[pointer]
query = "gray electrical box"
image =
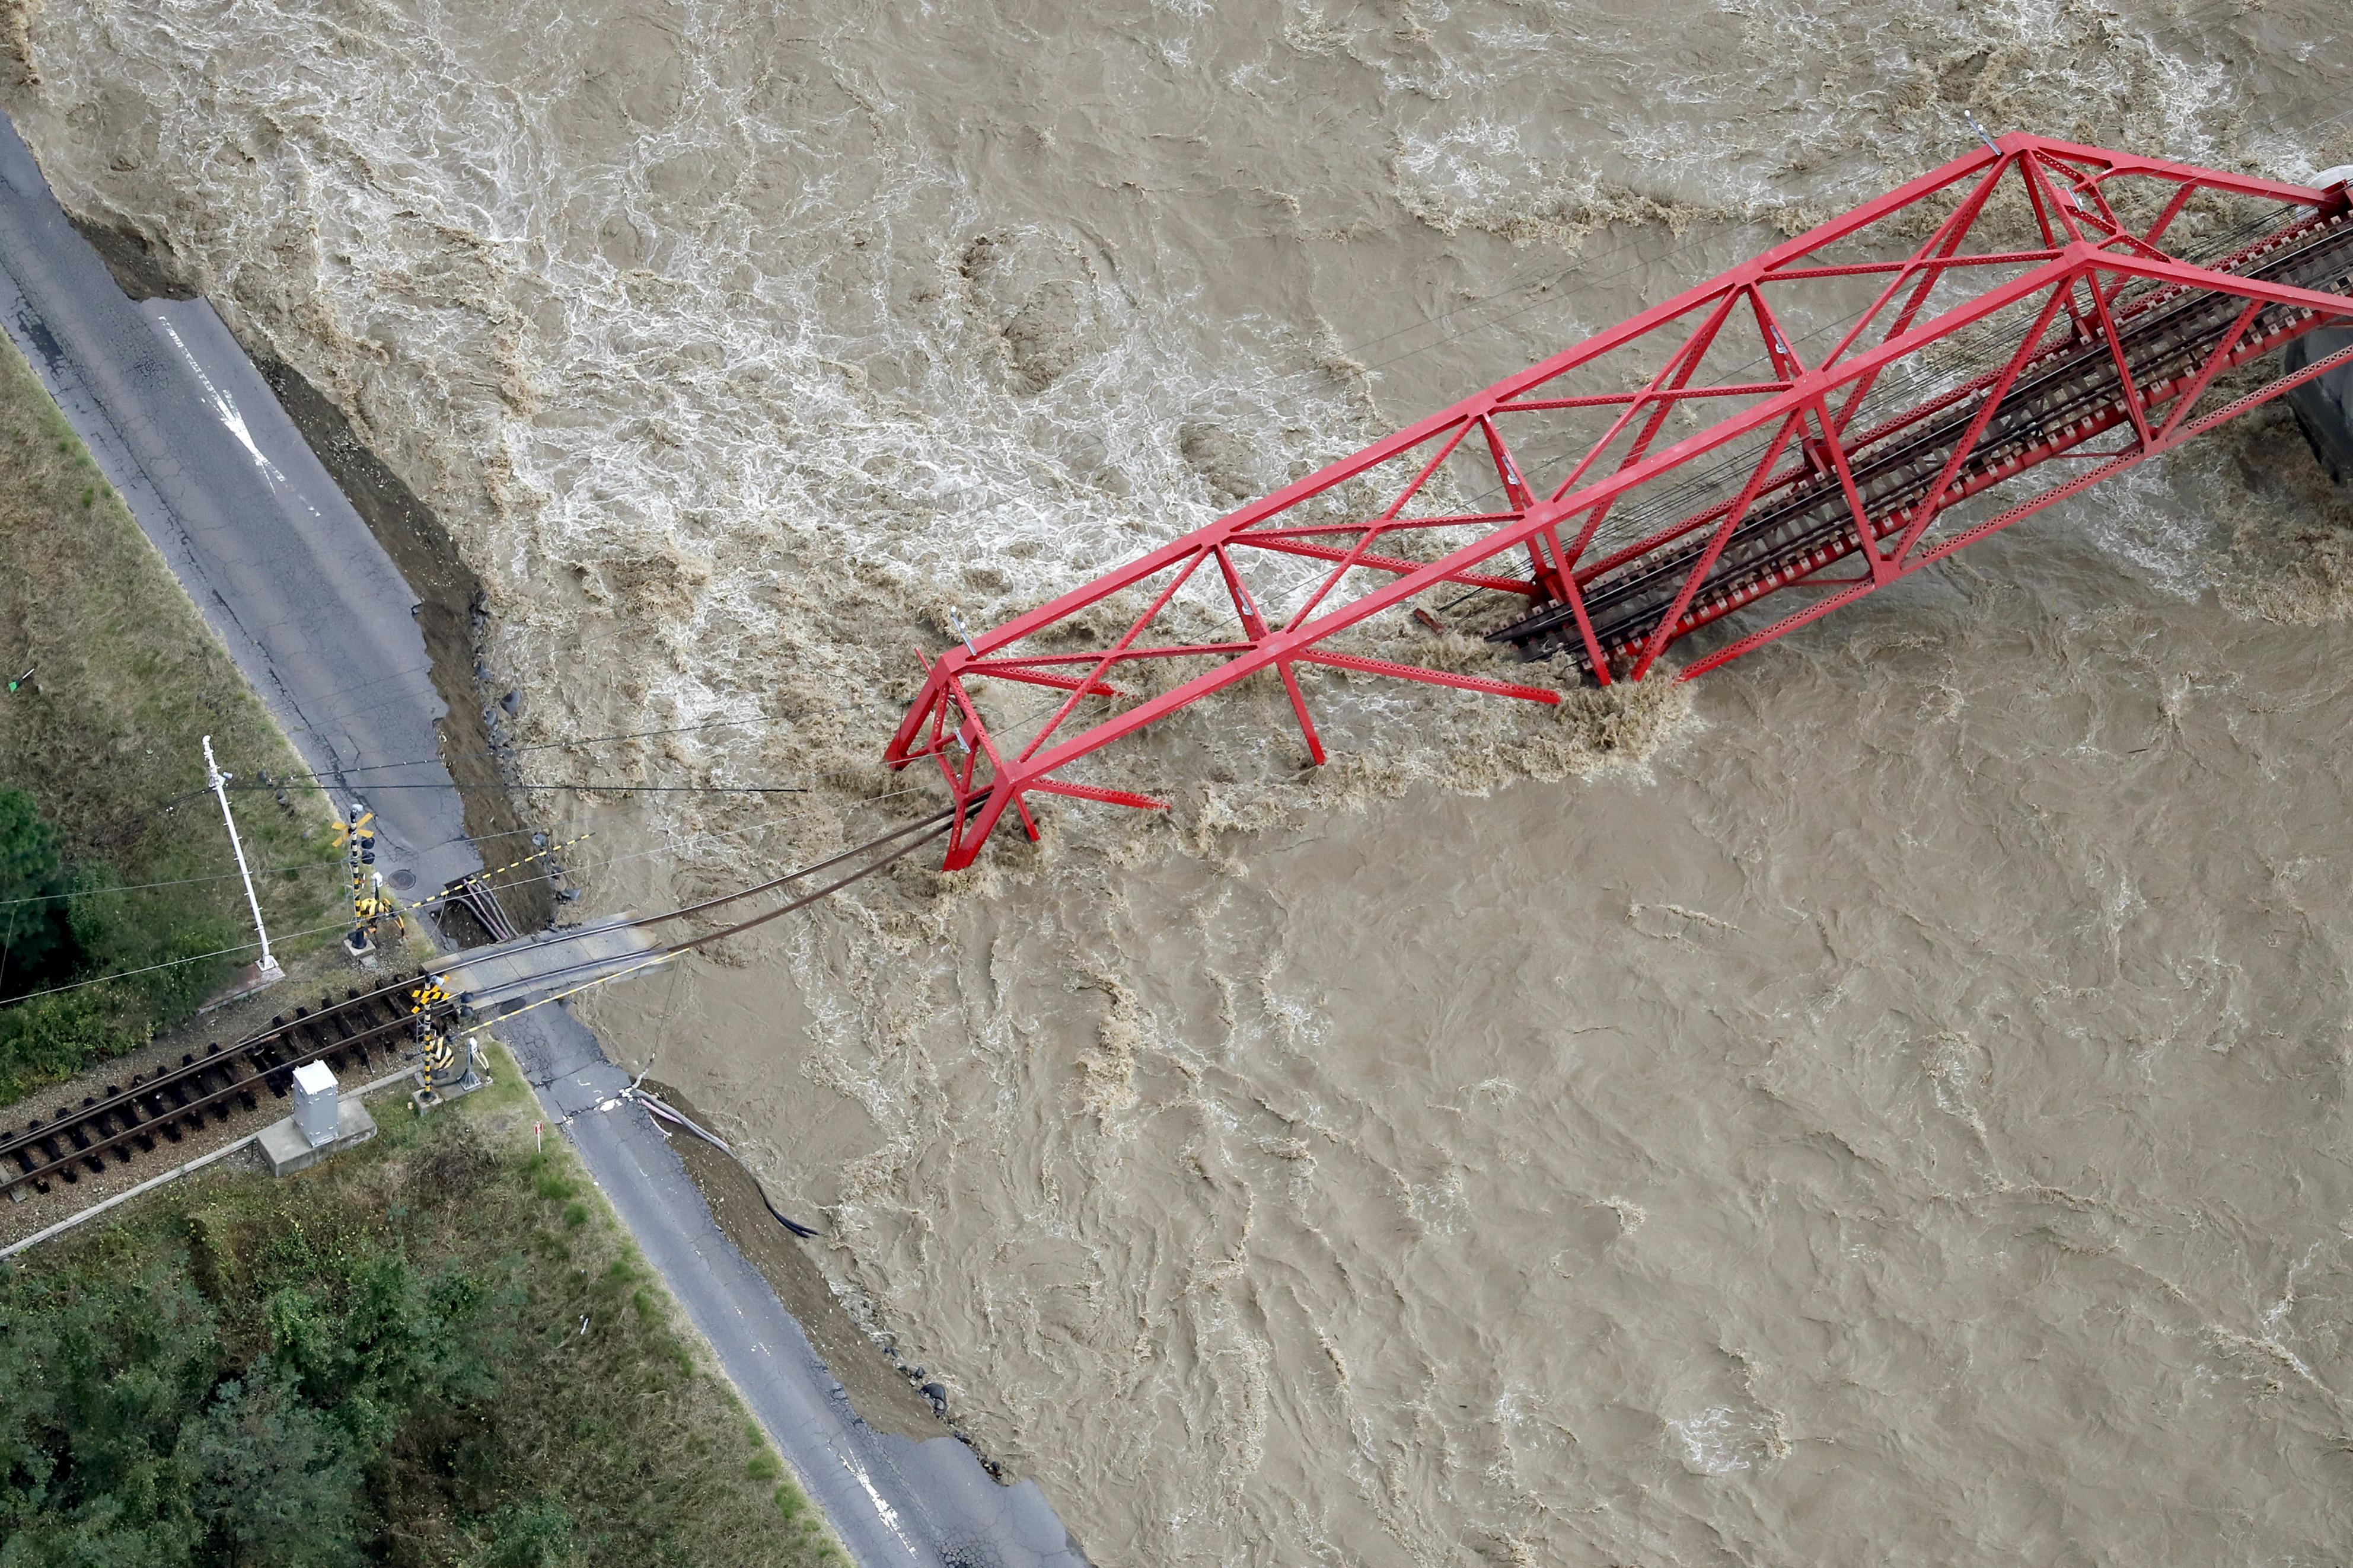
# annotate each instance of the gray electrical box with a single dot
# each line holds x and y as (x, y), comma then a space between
(317, 1103)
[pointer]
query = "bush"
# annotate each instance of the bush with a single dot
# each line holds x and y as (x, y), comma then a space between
(36, 935)
(374, 1363)
(167, 942)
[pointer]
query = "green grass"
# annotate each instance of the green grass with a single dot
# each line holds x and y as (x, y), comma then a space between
(380, 1361)
(127, 681)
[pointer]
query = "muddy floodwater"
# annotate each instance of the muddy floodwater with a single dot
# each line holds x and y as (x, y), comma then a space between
(1883, 1102)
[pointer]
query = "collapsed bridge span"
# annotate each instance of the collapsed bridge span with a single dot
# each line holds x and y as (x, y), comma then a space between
(1827, 418)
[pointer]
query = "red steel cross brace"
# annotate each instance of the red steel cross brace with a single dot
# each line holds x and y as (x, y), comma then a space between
(2019, 305)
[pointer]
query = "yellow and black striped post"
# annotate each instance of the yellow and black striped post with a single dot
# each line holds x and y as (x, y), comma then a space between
(356, 834)
(443, 1063)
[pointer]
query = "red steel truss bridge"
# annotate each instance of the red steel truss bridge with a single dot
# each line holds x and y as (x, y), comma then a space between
(1817, 423)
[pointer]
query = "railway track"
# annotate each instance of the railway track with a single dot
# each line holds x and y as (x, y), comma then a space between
(2069, 394)
(124, 1123)
(365, 1030)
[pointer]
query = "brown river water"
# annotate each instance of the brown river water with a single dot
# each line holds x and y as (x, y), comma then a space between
(1885, 1102)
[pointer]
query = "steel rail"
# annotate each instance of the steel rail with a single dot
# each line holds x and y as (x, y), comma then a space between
(936, 823)
(2076, 396)
(1852, 420)
(176, 1100)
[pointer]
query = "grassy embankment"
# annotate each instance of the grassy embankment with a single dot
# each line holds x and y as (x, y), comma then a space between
(438, 1348)
(104, 741)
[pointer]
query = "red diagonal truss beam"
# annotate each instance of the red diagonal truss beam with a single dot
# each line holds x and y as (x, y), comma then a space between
(1864, 391)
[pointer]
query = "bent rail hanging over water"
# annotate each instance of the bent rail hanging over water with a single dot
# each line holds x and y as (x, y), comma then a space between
(1829, 417)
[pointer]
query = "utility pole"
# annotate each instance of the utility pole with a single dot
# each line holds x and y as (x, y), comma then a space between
(267, 973)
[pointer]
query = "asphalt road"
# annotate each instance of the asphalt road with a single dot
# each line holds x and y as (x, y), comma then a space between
(189, 435)
(319, 619)
(895, 1500)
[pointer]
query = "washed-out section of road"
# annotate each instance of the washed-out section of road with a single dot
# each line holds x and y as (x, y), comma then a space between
(319, 619)
(893, 1500)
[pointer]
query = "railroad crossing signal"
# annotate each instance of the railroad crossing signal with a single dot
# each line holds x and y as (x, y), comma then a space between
(424, 999)
(449, 1069)
(443, 1066)
(356, 833)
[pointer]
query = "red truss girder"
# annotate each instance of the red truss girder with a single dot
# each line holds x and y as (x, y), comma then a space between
(2093, 271)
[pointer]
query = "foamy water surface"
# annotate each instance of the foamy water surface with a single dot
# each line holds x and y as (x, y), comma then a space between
(1890, 1107)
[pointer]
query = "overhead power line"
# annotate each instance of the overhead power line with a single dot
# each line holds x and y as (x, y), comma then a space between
(174, 882)
(1540, 279)
(618, 859)
(926, 830)
(533, 746)
(152, 968)
(591, 786)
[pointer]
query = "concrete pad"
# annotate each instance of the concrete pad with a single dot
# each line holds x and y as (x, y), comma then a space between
(283, 1146)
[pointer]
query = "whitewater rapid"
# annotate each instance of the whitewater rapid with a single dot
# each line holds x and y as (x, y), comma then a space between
(1883, 1102)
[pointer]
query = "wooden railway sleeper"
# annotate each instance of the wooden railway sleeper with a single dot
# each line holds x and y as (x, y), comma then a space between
(169, 1103)
(2073, 386)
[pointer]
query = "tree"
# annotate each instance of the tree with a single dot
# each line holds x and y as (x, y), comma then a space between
(36, 937)
(275, 1478)
(99, 1375)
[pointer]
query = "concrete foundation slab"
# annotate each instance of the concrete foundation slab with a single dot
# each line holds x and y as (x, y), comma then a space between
(283, 1146)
